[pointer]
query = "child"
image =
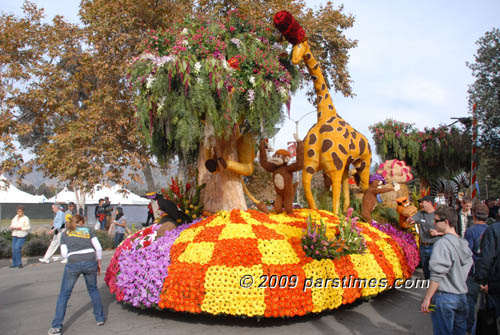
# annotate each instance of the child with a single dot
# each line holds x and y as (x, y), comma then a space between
(120, 226)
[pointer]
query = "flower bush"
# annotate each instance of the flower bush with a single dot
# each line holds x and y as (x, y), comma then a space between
(222, 72)
(346, 241)
(207, 260)
(186, 197)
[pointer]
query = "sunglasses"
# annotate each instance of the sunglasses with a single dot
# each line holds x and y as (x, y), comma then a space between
(439, 220)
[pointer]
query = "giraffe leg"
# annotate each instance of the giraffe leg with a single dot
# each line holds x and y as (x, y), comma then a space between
(336, 177)
(307, 175)
(345, 190)
(363, 171)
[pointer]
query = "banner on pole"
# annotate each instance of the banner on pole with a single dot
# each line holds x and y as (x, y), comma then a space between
(292, 148)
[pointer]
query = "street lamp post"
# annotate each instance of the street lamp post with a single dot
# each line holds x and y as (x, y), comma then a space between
(299, 173)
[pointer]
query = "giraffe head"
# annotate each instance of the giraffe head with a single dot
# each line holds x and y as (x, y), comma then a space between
(298, 52)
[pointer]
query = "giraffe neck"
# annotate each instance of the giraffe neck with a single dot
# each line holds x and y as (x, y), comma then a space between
(326, 109)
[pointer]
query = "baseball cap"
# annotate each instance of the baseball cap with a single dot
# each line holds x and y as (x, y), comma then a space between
(427, 198)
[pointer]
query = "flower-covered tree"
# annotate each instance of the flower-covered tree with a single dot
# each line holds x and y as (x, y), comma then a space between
(207, 81)
(433, 152)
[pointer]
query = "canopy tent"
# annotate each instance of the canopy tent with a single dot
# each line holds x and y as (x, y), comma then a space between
(11, 194)
(114, 193)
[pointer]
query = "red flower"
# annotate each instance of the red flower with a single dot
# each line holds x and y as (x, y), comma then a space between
(232, 29)
(234, 62)
(289, 27)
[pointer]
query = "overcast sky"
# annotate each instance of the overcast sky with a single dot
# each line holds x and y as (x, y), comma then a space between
(409, 64)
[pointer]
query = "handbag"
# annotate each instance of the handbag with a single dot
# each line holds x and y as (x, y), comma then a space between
(486, 318)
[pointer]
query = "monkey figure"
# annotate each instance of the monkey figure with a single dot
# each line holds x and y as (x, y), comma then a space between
(282, 174)
(405, 210)
(370, 196)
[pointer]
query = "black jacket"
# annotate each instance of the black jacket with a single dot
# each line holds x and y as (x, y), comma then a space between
(488, 262)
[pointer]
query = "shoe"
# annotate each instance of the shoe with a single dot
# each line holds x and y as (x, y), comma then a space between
(64, 261)
(43, 260)
(100, 323)
(56, 258)
(13, 266)
(53, 331)
(21, 266)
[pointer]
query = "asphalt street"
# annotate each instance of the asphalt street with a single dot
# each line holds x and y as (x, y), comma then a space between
(28, 298)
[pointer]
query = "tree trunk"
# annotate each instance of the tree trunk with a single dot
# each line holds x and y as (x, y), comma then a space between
(148, 175)
(223, 190)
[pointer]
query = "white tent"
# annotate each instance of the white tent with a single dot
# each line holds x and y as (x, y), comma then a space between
(116, 196)
(11, 194)
(64, 196)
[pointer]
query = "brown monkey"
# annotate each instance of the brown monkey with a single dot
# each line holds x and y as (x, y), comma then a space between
(282, 174)
(370, 196)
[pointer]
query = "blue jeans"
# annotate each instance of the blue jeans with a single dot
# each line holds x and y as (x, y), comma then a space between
(118, 238)
(17, 246)
(103, 224)
(425, 257)
(450, 315)
(472, 295)
(71, 273)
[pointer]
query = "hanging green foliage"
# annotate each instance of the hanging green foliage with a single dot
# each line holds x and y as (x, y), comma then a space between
(433, 152)
(219, 73)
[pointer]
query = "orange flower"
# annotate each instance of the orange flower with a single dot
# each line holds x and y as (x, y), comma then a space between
(234, 62)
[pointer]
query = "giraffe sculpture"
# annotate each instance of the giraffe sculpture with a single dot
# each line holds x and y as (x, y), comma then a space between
(331, 145)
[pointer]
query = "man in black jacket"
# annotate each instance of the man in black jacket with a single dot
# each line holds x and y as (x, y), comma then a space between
(488, 267)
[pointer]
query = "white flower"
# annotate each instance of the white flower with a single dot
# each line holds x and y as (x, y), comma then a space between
(236, 42)
(283, 92)
(161, 103)
(150, 81)
(224, 64)
(164, 59)
(251, 96)
(252, 80)
(185, 42)
(184, 31)
(147, 55)
(197, 67)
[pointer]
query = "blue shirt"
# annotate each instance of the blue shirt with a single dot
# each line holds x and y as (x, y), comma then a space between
(59, 220)
(473, 236)
(120, 229)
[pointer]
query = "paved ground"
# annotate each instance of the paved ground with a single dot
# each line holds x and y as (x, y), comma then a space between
(28, 298)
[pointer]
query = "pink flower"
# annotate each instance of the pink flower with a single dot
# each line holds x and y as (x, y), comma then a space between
(232, 29)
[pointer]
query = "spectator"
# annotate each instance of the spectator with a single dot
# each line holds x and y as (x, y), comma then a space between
(427, 232)
(70, 212)
(450, 263)
(473, 236)
(108, 209)
(84, 252)
(487, 272)
(493, 209)
(100, 214)
(121, 225)
(464, 216)
(19, 226)
(57, 229)
(150, 214)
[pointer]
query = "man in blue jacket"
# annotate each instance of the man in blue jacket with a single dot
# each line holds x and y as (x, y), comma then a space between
(57, 228)
(487, 272)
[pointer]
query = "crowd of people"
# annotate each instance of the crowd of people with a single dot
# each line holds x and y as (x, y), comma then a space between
(460, 255)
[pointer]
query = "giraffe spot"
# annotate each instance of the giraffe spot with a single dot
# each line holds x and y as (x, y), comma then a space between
(362, 145)
(353, 134)
(312, 139)
(369, 148)
(316, 66)
(342, 149)
(356, 162)
(337, 161)
(310, 170)
(319, 115)
(325, 128)
(351, 145)
(331, 119)
(339, 129)
(330, 107)
(342, 123)
(326, 96)
(314, 78)
(323, 87)
(310, 152)
(319, 99)
(346, 134)
(327, 144)
(361, 167)
(308, 56)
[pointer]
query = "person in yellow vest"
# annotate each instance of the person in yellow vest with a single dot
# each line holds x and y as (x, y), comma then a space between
(19, 226)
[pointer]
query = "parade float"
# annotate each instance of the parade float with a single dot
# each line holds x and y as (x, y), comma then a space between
(239, 261)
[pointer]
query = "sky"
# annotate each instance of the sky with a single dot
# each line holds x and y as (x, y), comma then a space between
(409, 65)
